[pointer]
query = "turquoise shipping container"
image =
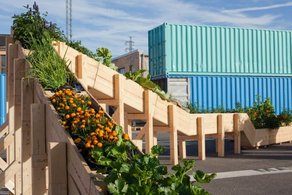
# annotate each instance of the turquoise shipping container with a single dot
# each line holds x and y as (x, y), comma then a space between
(2, 98)
(208, 50)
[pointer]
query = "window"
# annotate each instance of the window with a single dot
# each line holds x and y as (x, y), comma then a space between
(131, 68)
(122, 70)
(3, 63)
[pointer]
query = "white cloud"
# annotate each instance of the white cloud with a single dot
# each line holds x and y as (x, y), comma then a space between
(110, 23)
(288, 4)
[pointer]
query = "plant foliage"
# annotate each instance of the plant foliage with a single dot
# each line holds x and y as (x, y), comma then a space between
(146, 82)
(105, 57)
(33, 24)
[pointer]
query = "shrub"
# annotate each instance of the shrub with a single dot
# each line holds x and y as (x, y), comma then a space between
(33, 24)
(285, 117)
(262, 114)
(47, 65)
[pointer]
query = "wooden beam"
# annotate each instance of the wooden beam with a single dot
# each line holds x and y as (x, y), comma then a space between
(182, 149)
(161, 128)
(78, 66)
(201, 139)
(19, 73)
(148, 128)
(38, 150)
(141, 134)
(27, 98)
(6, 141)
(3, 164)
(155, 134)
(57, 163)
(173, 135)
(220, 136)
(136, 116)
(119, 114)
(9, 173)
(236, 134)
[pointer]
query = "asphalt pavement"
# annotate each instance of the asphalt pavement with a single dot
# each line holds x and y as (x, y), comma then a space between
(266, 171)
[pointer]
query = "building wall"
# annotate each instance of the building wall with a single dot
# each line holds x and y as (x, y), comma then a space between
(132, 61)
(3, 53)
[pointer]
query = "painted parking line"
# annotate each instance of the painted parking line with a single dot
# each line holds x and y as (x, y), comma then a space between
(255, 172)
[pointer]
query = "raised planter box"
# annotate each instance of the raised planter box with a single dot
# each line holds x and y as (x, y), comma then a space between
(264, 137)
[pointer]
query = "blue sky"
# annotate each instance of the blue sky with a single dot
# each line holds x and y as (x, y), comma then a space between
(104, 23)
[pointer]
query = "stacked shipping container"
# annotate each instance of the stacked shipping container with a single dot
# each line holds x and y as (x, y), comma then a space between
(223, 65)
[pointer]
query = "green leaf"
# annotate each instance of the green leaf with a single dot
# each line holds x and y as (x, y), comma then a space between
(202, 177)
(104, 161)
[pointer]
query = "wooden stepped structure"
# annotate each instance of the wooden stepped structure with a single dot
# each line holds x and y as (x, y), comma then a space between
(41, 157)
(133, 102)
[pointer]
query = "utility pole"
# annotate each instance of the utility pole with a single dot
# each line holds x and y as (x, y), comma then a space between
(130, 45)
(69, 19)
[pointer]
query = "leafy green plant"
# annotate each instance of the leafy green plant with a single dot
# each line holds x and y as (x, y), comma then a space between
(262, 114)
(285, 117)
(79, 47)
(146, 82)
(137, 173)
(105, 57)
(32, 22)
(47, 65)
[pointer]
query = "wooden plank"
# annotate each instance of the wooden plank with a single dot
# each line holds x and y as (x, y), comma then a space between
(119, 115)
(80, 172)
(79, 66)
(182, 149)
(236, 134)
(38, 150)
(138, 143)
(220, 136)
(57, 163)
(3, 164)
(6, 141)
(201, 139)
(173, 135)
(9, 173)
(149, 122)
(141, 134)
(136, 116)
(26, 101)
(161, 128)
(19, 73)
(155, 134)
(4, 129)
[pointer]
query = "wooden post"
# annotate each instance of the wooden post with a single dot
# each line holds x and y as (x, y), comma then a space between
(128, 127)
(155, 134)
(201, 139)
(148, 128)
(57, 163)
(236, 134)
(220, 136)
(78, 66)
(173, 135)
(119, 114)
(13, 52)
(182, 149)
(26, 101)
(39, 156)
(19, 73)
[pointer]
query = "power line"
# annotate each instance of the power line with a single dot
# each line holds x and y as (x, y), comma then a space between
(130, 45)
